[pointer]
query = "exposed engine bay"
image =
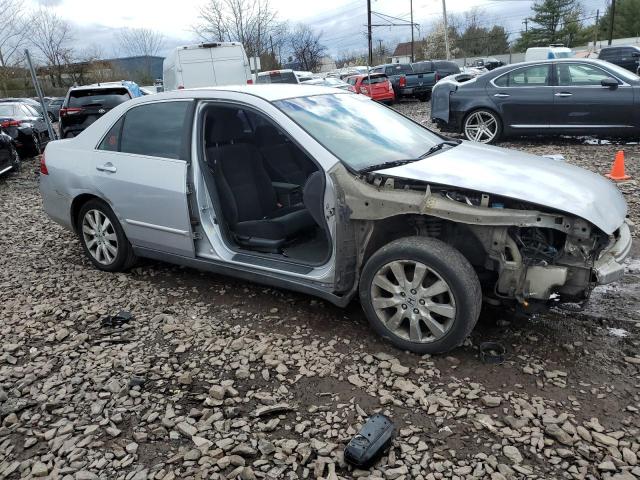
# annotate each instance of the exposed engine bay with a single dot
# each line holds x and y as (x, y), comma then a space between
(522, 252)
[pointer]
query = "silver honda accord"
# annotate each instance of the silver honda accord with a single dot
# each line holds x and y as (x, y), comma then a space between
(334, 195)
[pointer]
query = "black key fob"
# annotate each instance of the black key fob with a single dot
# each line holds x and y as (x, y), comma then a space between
(371, 442)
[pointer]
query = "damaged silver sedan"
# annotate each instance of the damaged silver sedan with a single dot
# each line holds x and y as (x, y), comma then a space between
(334, 195)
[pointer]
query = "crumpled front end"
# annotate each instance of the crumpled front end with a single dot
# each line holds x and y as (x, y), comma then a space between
(609, 267)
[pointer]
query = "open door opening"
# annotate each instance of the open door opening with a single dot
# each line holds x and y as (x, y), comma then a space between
(269, 194)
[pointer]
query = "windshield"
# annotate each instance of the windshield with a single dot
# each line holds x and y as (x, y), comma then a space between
(623, 72)
(104, 97)
(7, 110)
(357, 130)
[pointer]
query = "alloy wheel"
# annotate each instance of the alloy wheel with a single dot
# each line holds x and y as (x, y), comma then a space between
(481, 127)
(413, 301)
(15, 158)
(100, 237)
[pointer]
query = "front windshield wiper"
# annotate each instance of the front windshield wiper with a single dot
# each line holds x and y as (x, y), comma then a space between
(397, 163)
(439, 146)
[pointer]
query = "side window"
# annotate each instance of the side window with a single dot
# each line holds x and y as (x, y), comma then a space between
(389, 71)
(351, 80)
(525, 77)
(578, 75)
(111, 142)
(156, 130)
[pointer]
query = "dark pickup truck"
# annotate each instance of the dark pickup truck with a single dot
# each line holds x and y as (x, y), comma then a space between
(407, 83)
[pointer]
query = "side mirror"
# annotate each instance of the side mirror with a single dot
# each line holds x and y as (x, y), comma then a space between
(609, 82)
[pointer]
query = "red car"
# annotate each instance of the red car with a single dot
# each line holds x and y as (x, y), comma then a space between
(377, 86)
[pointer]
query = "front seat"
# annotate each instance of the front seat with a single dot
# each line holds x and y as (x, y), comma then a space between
(282, 159)
(249, 201)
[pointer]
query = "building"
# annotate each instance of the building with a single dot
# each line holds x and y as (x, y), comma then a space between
(402, 53)
(147, 67)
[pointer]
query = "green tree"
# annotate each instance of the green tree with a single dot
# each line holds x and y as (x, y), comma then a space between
(627, 20)
(554, 21)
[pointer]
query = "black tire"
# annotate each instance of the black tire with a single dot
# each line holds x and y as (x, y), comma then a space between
(36, 145)
(15, 159)
(425, 97)
(124, 258)
(484, 111)
(451, 267)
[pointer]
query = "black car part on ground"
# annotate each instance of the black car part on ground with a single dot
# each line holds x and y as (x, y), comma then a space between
(371, 441)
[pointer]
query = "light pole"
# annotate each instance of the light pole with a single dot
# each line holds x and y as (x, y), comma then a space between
(446, 28)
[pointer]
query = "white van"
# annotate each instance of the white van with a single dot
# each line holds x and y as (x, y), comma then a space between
(206, 65)
(535, 54)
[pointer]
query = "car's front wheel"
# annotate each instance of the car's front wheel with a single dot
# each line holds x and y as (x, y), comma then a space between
(36, 145)
(421, 294)
(15, 158)
(483, 126)
(103, 240)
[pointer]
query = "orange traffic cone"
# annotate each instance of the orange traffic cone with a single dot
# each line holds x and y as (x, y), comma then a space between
(617, 169)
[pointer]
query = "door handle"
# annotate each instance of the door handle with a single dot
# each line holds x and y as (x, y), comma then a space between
(563, 94)
(107, 167)
(502, 95)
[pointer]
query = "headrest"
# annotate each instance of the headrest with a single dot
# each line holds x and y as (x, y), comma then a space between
(224, 126)
(268, 135)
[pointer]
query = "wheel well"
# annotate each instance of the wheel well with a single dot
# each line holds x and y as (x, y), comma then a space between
(77, 204)
(457, 235)
(490, 109)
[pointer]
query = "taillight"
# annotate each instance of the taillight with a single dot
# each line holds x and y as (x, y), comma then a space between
(43, 166)
(364, 90)
(249, 82)
(403, 81)
(69, 111)
(11, 123)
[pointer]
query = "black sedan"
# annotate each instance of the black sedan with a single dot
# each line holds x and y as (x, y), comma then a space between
(35, 104)
(25, 126)
(9, 159)
(561, 96)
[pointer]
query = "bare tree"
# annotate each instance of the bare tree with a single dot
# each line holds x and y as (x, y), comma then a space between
(51, 36)
(250, 22)
(140, 42)
(306, 47)
(13, 37)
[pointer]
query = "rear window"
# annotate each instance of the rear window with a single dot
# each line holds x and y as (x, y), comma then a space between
(374, 80)
(448, 66)
(423, 67)
(104, 97)
(400, 69)
(7, 110)
(278, 77)
(56, 102)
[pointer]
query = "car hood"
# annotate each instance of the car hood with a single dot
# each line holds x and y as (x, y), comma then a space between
(522, 176)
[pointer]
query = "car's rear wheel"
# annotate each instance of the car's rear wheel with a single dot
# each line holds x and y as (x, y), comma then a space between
(103, 240)
(36, 145)
(482, 126)
(15, 159)
(421, 294)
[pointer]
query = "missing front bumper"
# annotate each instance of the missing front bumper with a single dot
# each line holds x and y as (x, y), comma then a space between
(609, 267)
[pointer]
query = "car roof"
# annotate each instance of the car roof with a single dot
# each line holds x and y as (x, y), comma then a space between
(609, 47)
(269, 92)
(98, 86)
(269, 72)
(510, 66)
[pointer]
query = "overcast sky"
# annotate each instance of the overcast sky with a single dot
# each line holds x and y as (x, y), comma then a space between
(342, 22)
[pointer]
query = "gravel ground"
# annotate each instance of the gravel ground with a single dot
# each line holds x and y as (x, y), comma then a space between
(217, 378)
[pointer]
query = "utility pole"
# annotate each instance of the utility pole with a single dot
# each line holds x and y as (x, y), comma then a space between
(595, 36)
(446, 28)
(526, 25)
(613, 15)
(369, 32)
(413, 58)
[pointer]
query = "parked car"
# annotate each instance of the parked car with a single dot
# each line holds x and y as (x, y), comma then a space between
(25, 126)
(84, 105)
(547, 53)
(563, 96)
(331, 82)
(407, 83)
(206, 65)
(442, 68)
(53, 107)
(376, 85)
(35, 104)
(331, 194)
(303, 76)
(9, 158)
(487, 63)
(277, 76)
(627, 56)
